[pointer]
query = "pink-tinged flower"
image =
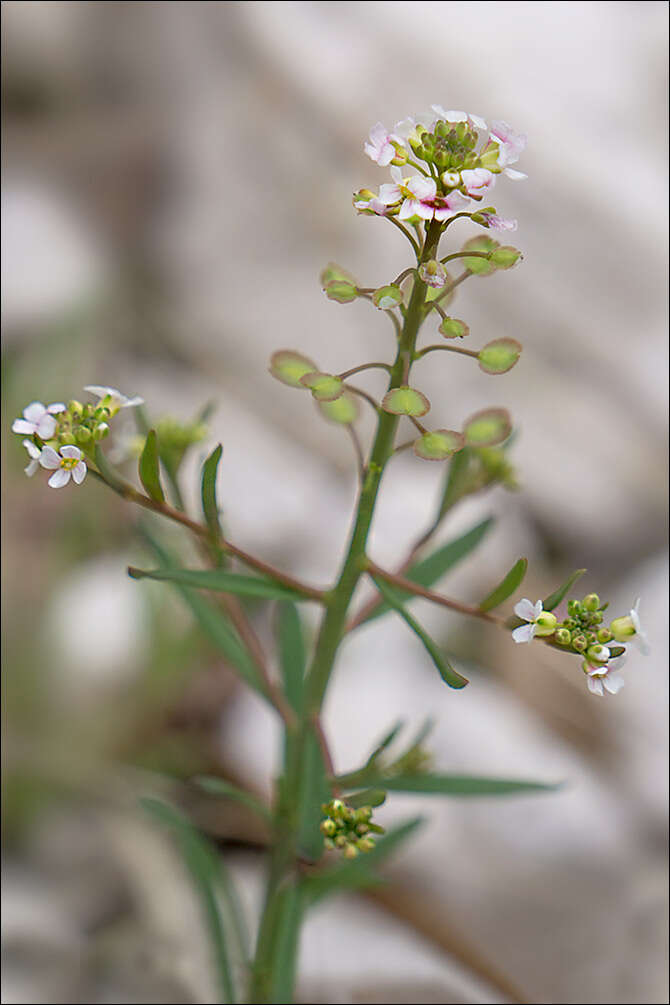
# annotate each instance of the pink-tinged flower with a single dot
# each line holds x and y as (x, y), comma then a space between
(373, 205)
(34, 454)
(495, 222)
(38, 419)
(473, 120)
(433, 274)
(380, 148)
(419, 198)
(602, 677)
(64, 463)
(510, 146)
(477, 181)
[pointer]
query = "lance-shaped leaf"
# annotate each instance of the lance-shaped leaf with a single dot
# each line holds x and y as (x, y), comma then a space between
(205, 869)
(554, 599)
(359, 872)
(506, 587)
(292, 657)
(289, 366)
(149, 468)
(430, 569)
(444, 667)
(215, 786)
(214, 623)
(367, 797)
(461, 785)
(405, 401)
(210, 506)
(219, 581)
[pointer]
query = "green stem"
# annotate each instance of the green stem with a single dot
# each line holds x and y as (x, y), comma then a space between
(330, 635)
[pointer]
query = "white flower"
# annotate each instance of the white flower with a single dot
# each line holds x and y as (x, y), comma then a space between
(629, 629)
(540, 622)
(63, 464)
(34, 453)
(38, 419)
(603, 678)
(527, 611)
(495, 222)
(640, 636)
(477, 181)
(116, 399)
(510, 146)
(473, 120)
(380, 148)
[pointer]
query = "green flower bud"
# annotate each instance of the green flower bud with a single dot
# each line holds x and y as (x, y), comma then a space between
(82, 435)
(598, 653)
(328, 827)
(591, 602)
(75, 407)
(545, 624)
(100, 431)
(563, 636)
(66, 439)
(400, 155)
(365, 844)
(579, 642)
(387, 297)
(574, 608)
(351, 851)
(505, 257)
(340, 841)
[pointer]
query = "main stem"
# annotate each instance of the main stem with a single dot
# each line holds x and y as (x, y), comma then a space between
(332, 629)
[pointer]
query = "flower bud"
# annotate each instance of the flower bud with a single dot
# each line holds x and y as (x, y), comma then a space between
(574, 608)
(328, 827)
(604, 635)
(579, 642)
(351, 851)
(82, 435)
(591, 602)
(387, 297)
(545, 624)
(623, 629)
(67, 439)
(400, 155)
(365, 844)
(75, 407)
(563, 636)
(100, 431)
(450, 179)
(598, 653)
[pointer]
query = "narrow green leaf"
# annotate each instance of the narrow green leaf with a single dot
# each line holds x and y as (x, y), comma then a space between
(358, 872)
(385, 742)
(430, 569)
(218, 581)
(461, 785)
(285, 950)
(292, 657)
(213, 622)
(208, 491)
(506, 587)
(554, 599)
(204, 867)
(221, 787)
(148, 468)
(444, 667)
(109, 473)
(367, 797)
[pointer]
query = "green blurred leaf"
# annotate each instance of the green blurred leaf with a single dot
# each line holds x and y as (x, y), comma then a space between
(430, 569)
(460, 785)
(205, 868)
(215, 786)
(292, 657)
(554, 599)
(444, 667)
(218, 581)
(367, 797)
(385, 743)
(210, 507)
(358, 872)
(285, 951)
(506, 588)
(149, 470)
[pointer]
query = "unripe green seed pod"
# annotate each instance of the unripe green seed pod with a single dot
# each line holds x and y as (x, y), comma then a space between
(591, 602)
(505, 257)
(387, 297)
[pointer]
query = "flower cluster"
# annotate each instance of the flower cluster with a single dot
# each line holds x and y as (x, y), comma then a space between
(451, 172)
(58, 436)
(584, 633)
(348, 829)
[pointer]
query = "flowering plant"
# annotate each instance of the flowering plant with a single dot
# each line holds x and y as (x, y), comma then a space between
(324, 826)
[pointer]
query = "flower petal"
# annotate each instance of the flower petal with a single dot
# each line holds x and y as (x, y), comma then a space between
(525, 609)
(613, 682)
(524, 633)
(422, 188)
(23, 426)
(514, 175)
(388, 194)
(32, 449)
(102, 392)
(59, 478)
(31, 467)
(79, 472)
(34, 411)
(70, 451)
(46, 427)
(49, 458)
(57, 407)
(595, 686)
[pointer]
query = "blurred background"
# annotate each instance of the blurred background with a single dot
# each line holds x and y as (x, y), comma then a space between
(175, 177)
